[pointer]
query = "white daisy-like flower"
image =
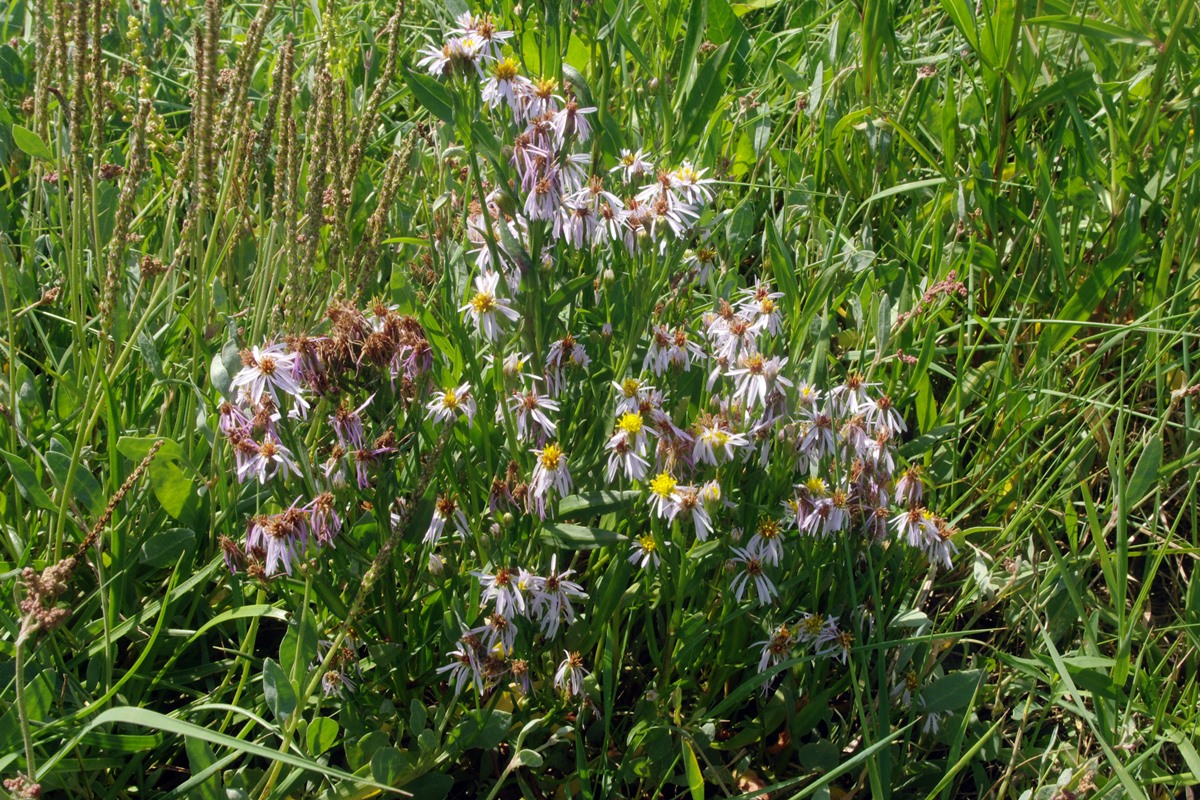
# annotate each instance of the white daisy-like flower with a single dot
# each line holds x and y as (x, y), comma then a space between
(570, 121)
(552, 597)
(689, 502)
(503, 588)
(767, 542)
(644, 551)
(631, 392)
(269, 370)
(570, 674)
(550, 476)
(506, 85)
(751, 572)
(715, 443)
(662, 494)
(486, 306)
(446, 509)
(633, 165)
(452, 403)
(691, 185)
(270, 458)
(529, 412)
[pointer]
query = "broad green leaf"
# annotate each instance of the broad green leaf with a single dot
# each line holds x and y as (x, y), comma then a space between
(27, 482)
(432, 96)
(951, 692)
(31, 143)
(278, 690)
(1145, 473)
(299, 646)
(135, 448)
(85, 487)
(171, 487)
(200, 757)
(388, 763)
(322, 734)
(578, 537)
(163, 548)
(595, 504)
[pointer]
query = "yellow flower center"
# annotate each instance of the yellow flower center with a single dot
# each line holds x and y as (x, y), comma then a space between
(483, 302)
(816, 486)
(630, 386)
(768, 529)
(647, 543)
(505, 70)
(450, 400)
(631, 423)
(551, 456)
(663, 485)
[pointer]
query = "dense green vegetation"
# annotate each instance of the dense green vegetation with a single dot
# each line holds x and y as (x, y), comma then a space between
(985, 214)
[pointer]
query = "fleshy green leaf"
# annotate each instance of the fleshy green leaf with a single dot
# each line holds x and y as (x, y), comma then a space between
(31, 143)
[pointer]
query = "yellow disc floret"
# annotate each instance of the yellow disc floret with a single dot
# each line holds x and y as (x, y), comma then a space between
(483, 302)
(551, 456)
(663, 485)
(630, 423)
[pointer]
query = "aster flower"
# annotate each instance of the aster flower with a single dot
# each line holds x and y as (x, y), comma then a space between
(445, 509)
(749, 567)
(701, 259)
(566, 353)
(485, 307)
(691, 185)
(543, 199)
(348, 425)
(446, 406)
(550, 476)
(465, 665)
(569, 676)
(850, 397)
(880, 413)
(280, 538)
(552, 597)
(570, 121)
(529, 411)
(688, 502)
(623, 457)
(714, 442)
(631, 393)
(271, 457)
(662, 493)
(911, 487)
(497, 633)
(232, 418)
(670, 349)
(269, 370)
(767, 542)
(817, 439)
(633, 165)
(334, 683)
(644, 551)
(484, 28)
(502, 588)
(757, 377)
(542, 99)
(506, 85)
(323, 521)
